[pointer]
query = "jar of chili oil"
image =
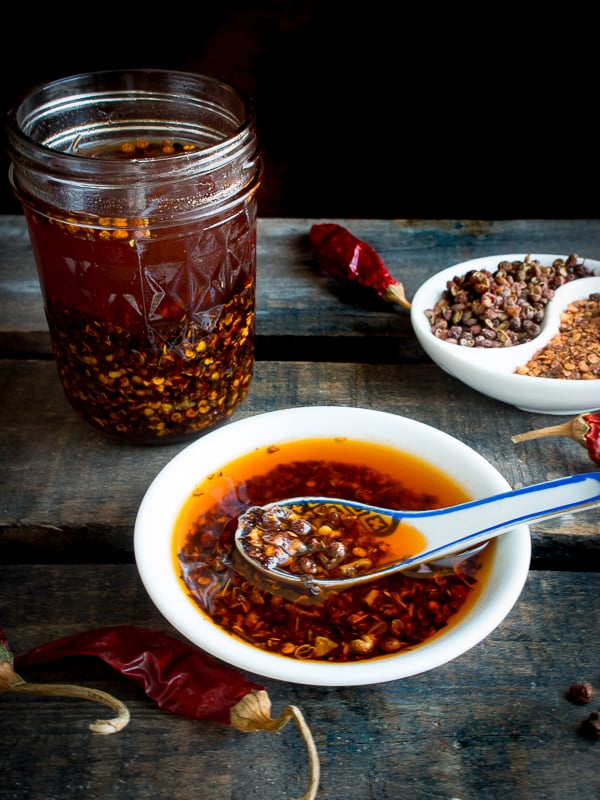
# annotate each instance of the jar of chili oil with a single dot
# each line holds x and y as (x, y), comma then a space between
(139, 190)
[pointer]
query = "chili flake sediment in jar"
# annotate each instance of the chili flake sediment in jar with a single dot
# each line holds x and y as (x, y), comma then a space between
(375, 619)
(152, 332)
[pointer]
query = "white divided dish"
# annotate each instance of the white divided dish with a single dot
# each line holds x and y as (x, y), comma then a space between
(491, 371)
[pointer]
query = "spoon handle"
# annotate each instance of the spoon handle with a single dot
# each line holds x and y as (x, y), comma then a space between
(478, 520)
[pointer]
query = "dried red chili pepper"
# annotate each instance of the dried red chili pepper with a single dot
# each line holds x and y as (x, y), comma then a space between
(584, 429)
(347, 258)
(180, 679)
(10, 681)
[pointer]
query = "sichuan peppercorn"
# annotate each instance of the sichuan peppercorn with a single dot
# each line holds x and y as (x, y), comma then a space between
(501, 308)
(591, 726)
(581, 693)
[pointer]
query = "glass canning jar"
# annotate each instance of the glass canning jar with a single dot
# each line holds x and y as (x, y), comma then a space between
(139, 190)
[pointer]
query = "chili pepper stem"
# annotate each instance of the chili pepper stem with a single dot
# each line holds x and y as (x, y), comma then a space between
(570, 429)
(396, 294)
(10, 681)
(253, 713)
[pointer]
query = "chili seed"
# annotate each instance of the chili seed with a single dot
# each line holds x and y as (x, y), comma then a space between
(574, 352)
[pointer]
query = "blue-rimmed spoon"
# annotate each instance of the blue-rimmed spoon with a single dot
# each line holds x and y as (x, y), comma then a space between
(446, 531)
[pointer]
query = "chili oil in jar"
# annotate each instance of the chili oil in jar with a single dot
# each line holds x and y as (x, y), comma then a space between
(375, 619)
(139, 190)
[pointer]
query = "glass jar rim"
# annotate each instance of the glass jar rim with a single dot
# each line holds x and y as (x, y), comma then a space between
(57, 131)
(32, 140)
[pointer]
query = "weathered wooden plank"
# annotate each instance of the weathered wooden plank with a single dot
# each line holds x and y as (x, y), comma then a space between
(295, 297)
(494, 724)
(69, 492)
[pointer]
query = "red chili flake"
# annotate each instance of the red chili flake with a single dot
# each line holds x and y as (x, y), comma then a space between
(347, 258)
(180, 678)
(362, 622)
(583, 429)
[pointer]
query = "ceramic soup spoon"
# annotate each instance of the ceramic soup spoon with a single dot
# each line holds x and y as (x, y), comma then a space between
(294, 543)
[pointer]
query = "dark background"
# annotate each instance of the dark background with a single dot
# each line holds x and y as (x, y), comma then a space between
(384, 110)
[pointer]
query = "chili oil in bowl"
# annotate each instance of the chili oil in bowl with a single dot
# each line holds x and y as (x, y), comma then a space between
(380, 631)
(540, 355)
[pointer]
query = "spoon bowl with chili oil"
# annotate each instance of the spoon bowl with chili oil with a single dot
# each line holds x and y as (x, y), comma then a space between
(184, 547)
(502, 372)
(319, 545)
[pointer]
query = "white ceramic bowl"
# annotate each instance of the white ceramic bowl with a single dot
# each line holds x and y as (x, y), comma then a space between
(172, 487)
(492, 371)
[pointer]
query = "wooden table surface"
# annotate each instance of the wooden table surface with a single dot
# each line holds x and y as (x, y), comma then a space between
(494, 724)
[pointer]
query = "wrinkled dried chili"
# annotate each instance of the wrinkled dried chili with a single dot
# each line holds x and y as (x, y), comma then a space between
(10, 681)
(583, 429)
(180, 679)
(347, 258)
